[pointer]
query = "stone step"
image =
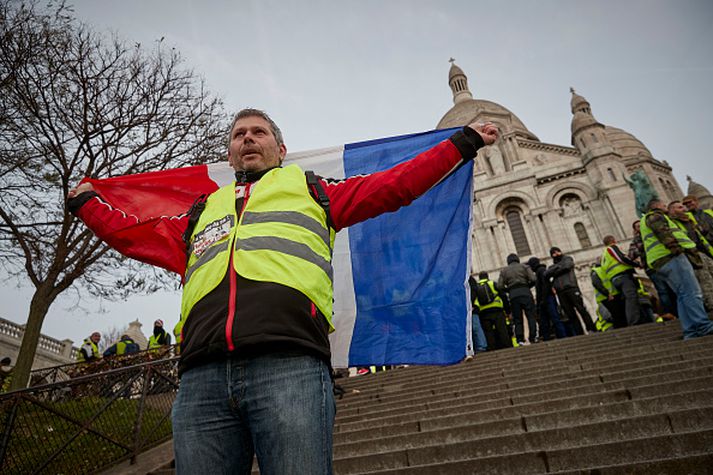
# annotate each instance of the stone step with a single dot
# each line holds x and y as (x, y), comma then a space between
(533, 416)
(559, 445)
(686, 453)
(568, 384)
(474, 428)
(391, 383)
(691, 464)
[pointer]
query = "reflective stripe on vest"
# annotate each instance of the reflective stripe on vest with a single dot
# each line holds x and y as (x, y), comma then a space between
(497, 303)
(95, 350)
(281, 237)
(654, 248)
(611, 266)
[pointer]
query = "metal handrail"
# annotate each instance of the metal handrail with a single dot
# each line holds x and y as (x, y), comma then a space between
(89, 422)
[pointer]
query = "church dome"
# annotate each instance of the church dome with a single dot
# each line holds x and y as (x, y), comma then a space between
(626, 144)
(465, 112)
(696, 189)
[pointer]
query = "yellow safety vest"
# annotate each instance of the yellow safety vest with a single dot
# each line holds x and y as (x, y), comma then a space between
(654, 248)
(95, 350)
(600, 297)
(706, 245)
(282, 236)
(496, 303)
(611, 266)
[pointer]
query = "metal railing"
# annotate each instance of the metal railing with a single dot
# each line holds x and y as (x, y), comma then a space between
(88, 422)
(54, 374)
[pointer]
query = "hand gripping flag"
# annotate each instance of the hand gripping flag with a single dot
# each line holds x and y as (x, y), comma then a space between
(400, 280)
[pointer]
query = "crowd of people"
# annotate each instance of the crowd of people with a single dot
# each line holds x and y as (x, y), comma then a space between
(671, 245)
(125, 345)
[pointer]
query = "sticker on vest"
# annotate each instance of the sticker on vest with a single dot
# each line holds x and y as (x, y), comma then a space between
(212, 233)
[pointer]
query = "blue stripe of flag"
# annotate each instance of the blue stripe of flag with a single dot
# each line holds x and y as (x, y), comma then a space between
(410, 266)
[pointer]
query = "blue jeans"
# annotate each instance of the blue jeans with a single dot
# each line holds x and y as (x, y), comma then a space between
(279, 407)
(678, 274)
(479, 341)
(550, 314)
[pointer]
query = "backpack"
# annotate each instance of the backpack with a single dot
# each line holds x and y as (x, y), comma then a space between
(484, 294)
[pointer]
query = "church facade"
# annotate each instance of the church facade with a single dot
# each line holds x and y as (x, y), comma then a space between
(530, 195)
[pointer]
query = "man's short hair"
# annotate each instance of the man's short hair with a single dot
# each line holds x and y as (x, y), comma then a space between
(257, 113)
(690, 198)
(652, 202)
(672, 203)
(483, 275)
(609, 240)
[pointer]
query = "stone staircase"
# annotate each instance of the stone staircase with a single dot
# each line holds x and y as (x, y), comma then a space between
(635, 400)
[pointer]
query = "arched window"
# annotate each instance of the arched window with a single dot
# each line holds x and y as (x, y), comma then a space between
(517, 230)
(582, 235)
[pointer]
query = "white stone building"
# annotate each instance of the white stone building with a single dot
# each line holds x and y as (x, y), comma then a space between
(531, 195)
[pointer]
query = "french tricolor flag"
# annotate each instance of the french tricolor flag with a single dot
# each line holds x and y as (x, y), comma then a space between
(401, 292)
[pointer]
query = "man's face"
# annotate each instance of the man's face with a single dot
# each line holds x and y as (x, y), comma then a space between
(677, 210)
(691, 204)
(637, 227)
(556, 253)
(659, 205)
(253, 146)
(96, 337)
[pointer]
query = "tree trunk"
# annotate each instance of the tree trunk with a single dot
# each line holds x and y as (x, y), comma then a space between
(40, 304)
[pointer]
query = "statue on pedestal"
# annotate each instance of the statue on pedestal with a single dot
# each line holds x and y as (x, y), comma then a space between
(644, 191)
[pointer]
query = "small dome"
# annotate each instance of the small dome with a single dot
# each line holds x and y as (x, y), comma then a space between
(626, 144)
(454, 71)
(465, 112)
(578, 102)
(696, 189)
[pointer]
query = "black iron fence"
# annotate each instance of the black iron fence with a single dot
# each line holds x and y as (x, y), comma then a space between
(55, 374)
(88, 422)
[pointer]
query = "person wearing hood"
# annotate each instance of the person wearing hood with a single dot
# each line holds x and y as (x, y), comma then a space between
(564, 281)
(160, 336)
(517, 279)
(546, 303)
(5, 374)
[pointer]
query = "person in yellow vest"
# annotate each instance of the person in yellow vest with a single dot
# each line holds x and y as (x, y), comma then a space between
(619, 270)
(125, 346)
(645, 304)
(492, 305)
(159, 337)
(670, 252)
(89, 351)
(704, 273)
(704, 217)
(177, 330)
(256, 261)
(607, 302)
(5, 374)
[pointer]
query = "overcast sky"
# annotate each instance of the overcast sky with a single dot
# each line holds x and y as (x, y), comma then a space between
(332, 72)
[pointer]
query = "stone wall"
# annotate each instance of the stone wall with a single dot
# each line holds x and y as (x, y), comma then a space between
(50, 351)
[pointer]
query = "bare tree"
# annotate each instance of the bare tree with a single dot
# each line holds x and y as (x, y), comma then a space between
(74, 103)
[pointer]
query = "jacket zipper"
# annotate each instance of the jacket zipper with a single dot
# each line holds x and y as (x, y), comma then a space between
(234, 279)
